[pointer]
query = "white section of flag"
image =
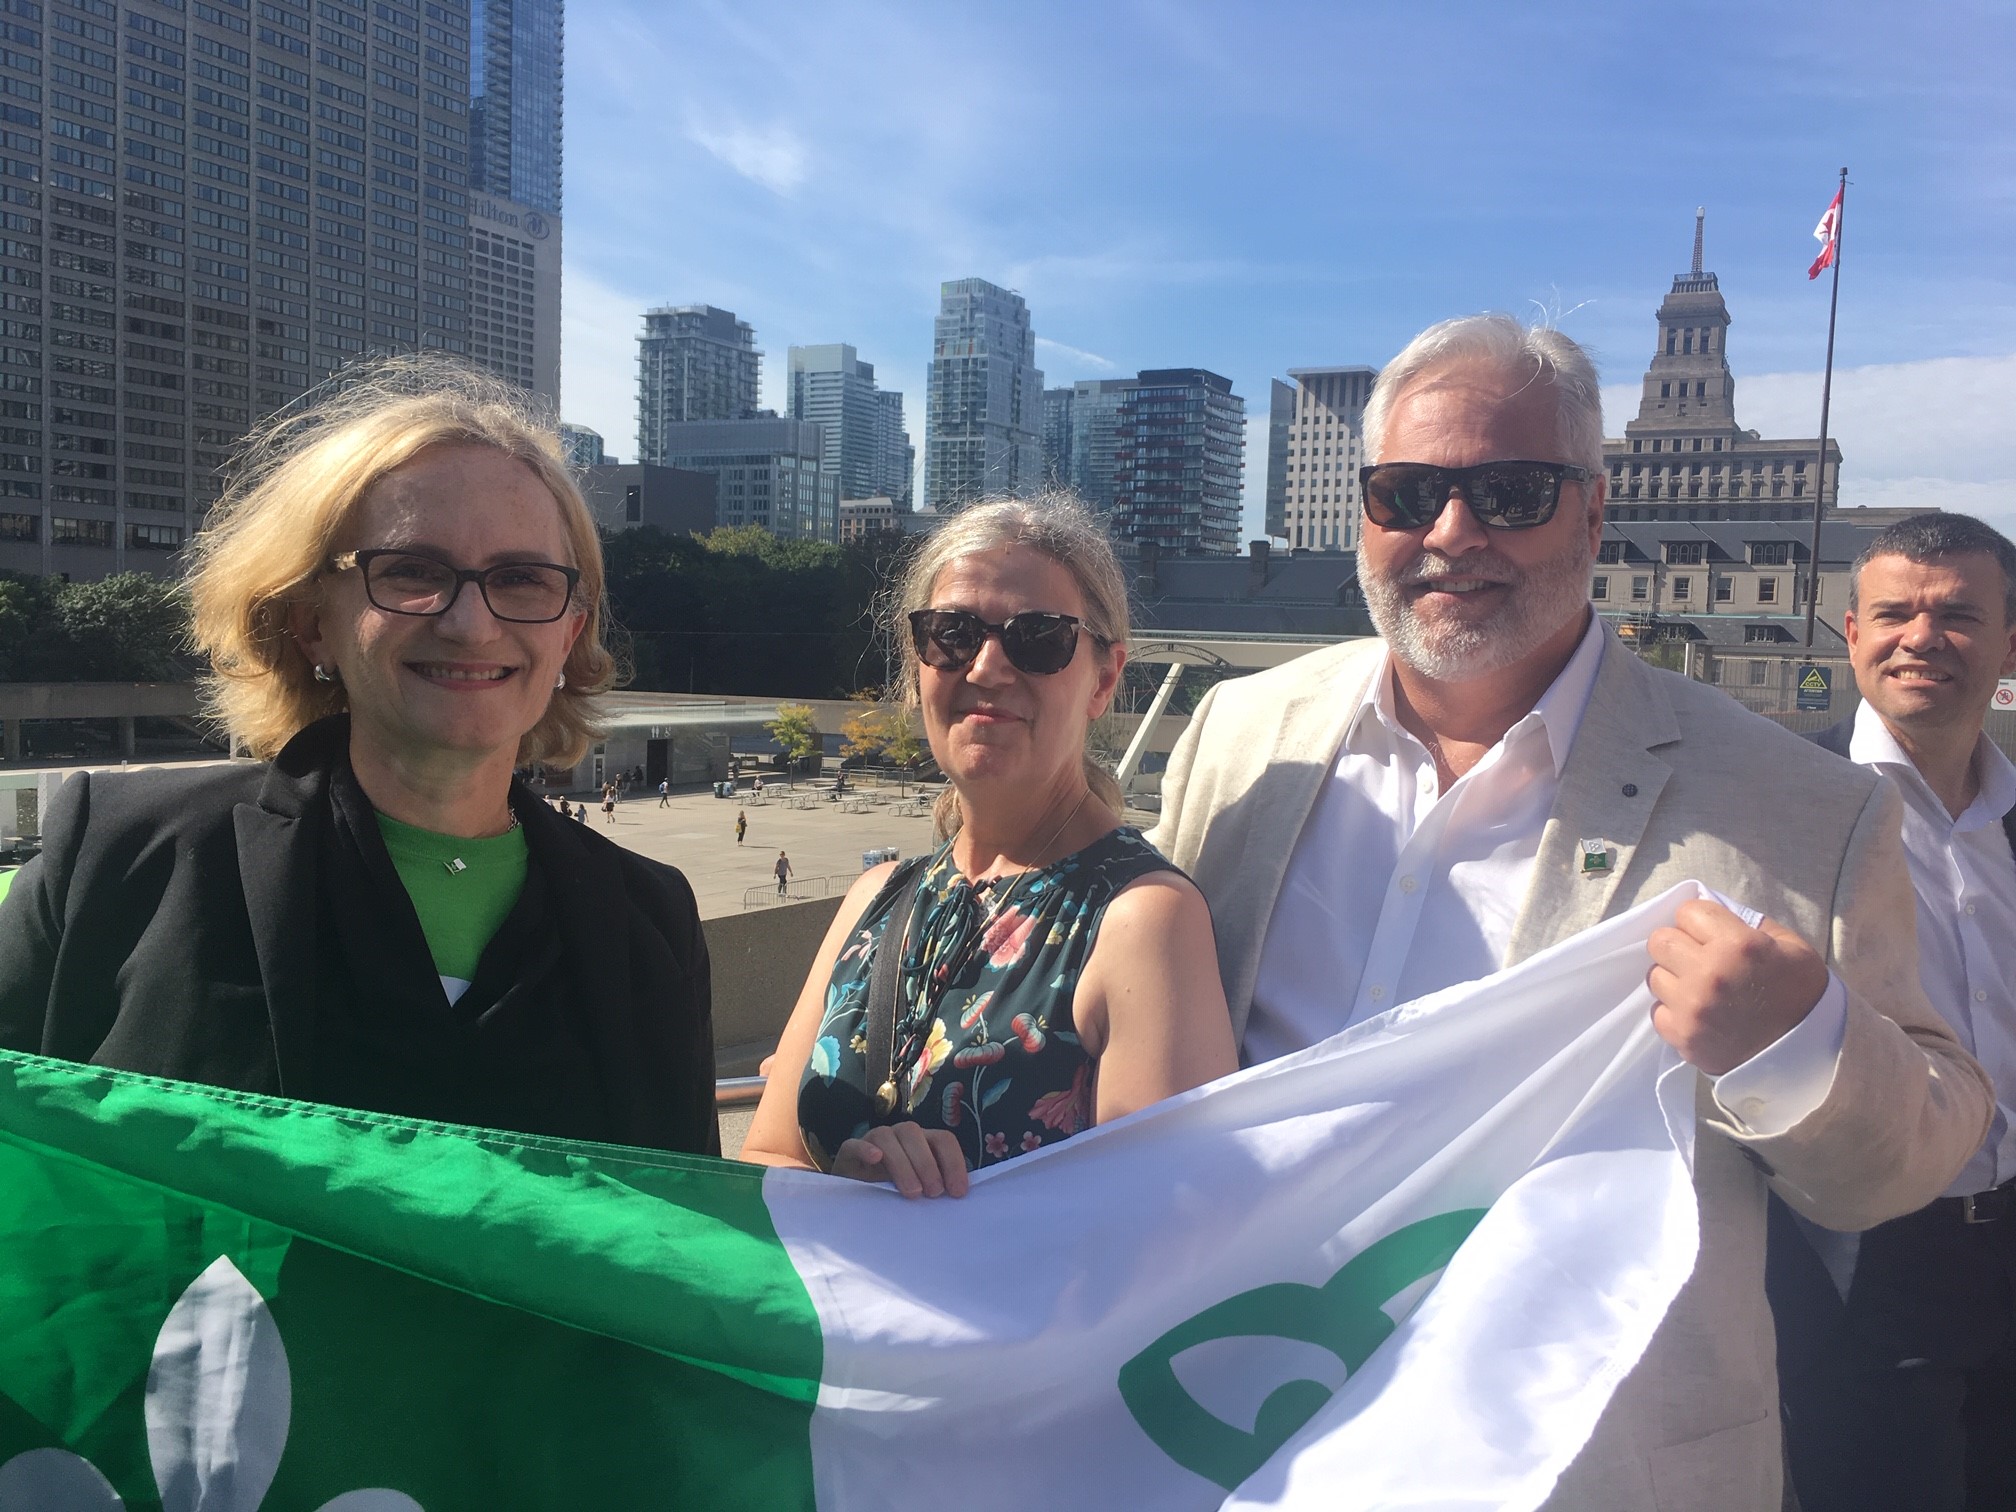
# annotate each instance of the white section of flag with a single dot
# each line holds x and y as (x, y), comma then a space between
(1828, 234)
(973, 1348)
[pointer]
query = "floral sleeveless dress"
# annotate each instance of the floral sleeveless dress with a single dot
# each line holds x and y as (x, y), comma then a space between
(985, 1045)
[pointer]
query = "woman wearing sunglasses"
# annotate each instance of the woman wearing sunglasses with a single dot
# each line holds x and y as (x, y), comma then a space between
(400, 599)
(1045, 968)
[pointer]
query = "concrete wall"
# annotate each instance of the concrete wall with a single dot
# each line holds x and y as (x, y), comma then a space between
(760, 958)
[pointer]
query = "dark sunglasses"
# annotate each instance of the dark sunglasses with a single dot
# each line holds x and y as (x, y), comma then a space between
(1503, 495)
(1038, 643)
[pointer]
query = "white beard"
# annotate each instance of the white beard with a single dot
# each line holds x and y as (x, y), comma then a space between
(1542, 599)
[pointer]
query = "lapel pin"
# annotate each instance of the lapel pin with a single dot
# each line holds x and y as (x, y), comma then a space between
(457, 866)
(1595, 857)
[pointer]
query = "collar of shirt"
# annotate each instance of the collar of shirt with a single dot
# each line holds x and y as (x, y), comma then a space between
(1870, 743)
(1376, 723)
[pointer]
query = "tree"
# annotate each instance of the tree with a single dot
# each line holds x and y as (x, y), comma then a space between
(796, 730)
(866, 731)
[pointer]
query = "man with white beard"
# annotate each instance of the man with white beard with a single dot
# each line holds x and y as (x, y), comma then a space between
(1378, 820)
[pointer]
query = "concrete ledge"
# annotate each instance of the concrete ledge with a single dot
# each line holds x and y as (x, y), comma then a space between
(760, 959)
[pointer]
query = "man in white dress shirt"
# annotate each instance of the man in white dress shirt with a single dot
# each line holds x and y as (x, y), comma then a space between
(1381, 819)
(1903, 1392)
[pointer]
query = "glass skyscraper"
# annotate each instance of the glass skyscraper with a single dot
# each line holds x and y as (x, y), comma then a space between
(515, 99)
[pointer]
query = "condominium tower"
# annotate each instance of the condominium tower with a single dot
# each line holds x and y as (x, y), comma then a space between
(1080, 424)
(1179, 454)
(694, 362)
(866, 448)
(205, 207)
(515, 115)
(984, 397)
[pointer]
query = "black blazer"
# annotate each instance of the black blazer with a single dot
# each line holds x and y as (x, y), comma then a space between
(170, 926)
(1835, 738)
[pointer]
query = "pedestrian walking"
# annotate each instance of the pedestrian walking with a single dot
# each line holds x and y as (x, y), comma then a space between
(757, 787)
(665, 793)
(783, 870)
(741, 825)
(609, 808)
(580, 813)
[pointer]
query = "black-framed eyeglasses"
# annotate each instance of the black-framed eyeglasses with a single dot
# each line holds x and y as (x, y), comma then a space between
(1037, 642)
(408, 582)
(1503, 495)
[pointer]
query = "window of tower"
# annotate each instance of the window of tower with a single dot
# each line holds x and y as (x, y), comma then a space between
(1672, 336)
(1687, 345)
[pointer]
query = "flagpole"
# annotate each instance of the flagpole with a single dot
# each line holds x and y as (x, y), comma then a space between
(1826, 399)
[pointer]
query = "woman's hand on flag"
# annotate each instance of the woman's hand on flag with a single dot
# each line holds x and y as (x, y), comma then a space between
(917, 1161)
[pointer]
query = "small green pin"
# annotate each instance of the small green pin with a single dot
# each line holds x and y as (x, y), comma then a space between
(1595, 857)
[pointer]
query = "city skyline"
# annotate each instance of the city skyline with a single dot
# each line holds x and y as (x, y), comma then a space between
(1261, 235)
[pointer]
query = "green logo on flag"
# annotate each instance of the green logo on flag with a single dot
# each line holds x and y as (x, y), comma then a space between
(1344, 1316)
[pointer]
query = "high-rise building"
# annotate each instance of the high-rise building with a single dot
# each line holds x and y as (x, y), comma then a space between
(203, 212)
(1685, 457)
(771, 473)
(516, 95)
(514, 294)
(1315, 446)
(984, 397)
(583, 446)
(694, 363)
(896, 469)
(1179, 460)
(1079, 426)
(866, 445)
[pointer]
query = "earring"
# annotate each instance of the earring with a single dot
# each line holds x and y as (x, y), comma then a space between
(323, 674)
(559, 682)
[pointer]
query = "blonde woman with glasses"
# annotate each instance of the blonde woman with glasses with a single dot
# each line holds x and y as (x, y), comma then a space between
(400, 598)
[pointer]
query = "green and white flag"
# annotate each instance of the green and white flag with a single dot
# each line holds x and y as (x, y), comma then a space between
(213, 1302)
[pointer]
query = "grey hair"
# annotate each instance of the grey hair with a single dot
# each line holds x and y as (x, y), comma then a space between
(1924, 538)
(1062, 529)
(1540, 352)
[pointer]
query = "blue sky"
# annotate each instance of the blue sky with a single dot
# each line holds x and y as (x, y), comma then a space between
(1255, 187)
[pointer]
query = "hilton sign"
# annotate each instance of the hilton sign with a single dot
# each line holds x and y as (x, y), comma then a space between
(530, 222)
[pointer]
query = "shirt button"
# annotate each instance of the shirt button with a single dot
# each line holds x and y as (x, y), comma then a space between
(1377, 994)
(1407, 884)
(1750, 1109)
(1980, 996)
(1970, 908)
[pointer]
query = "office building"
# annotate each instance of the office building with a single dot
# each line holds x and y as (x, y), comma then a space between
(204, 211)
(1179, 457)
(631, 496)
(771, 473)
(1684, 457)
(694, 363)
(1315, 446)
(515, 116)
(583, 446)
(866, 445)
(861, 518)
(984, 398)
(514, 294)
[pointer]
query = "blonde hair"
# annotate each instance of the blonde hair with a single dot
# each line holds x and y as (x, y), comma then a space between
(297, 485)
(1064, 530)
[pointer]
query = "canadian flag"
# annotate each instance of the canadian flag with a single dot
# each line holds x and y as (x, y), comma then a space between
(1828, 234)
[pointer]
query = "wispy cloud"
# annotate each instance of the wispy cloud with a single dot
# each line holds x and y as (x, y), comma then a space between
(1073, 356)
(772, 156)
(598, 373)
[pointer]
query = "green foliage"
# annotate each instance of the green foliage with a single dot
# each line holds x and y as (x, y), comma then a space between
(796, 731)
(125, 628)
(739, 611)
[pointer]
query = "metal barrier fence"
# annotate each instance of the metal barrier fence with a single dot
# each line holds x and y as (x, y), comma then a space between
(1784, 688)
(797, 890)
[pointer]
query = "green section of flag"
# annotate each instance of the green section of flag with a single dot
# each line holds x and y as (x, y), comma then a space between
(478, 1320)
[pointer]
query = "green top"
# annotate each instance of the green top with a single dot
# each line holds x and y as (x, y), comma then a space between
(462, 889)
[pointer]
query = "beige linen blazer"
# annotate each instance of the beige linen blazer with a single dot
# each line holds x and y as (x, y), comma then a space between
(1680, 782)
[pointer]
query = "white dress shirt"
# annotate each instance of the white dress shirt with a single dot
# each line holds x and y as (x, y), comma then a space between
(1397, 889)
(1965, 879)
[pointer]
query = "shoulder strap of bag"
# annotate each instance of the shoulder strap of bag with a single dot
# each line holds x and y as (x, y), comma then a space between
(883, 973)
